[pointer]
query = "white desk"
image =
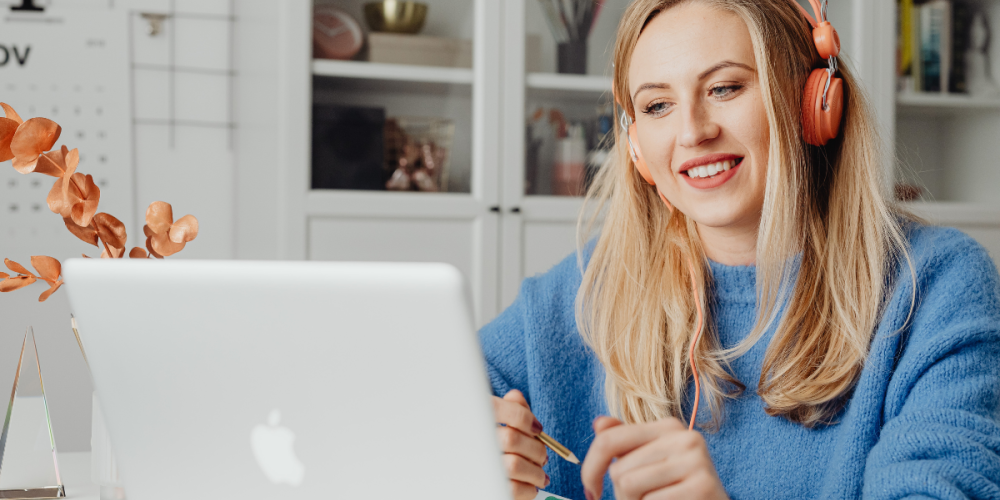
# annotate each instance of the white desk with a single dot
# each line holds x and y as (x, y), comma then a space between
(75, 471)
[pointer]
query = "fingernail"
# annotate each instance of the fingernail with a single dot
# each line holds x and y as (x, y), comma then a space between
(536, 426)
(547, 480)
(590, 496)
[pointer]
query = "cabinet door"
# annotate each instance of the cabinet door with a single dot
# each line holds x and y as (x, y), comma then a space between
(557, 120)
(413, 229)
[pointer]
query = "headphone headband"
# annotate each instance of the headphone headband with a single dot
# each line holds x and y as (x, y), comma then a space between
(819, 10)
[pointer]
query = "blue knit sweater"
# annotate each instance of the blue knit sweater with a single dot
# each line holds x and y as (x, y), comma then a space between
(922, 421)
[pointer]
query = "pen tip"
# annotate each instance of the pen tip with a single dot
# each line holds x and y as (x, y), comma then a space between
(572, 458)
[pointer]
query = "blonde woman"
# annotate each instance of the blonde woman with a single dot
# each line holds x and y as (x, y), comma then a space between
(847, 351)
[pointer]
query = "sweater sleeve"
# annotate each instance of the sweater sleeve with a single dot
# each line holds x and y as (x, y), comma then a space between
(503, 344)
(940, 437)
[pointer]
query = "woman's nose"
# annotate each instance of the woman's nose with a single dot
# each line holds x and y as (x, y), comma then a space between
(697, 124)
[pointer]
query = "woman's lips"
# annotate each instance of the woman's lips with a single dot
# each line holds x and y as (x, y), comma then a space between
(714, 181)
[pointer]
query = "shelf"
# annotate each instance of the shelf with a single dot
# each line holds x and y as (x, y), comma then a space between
(957, 213)
(943, 104)
(362, 70)
(336, 202)
(572, 83)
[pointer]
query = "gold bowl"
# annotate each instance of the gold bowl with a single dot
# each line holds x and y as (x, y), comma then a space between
(395, 16)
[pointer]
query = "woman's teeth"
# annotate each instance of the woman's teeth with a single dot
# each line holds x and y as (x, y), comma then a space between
(711, 169)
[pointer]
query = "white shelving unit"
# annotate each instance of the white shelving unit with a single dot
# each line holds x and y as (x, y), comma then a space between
(491, 230)
(572, 83)
(946, 102)
(391, 72)
(944, 143)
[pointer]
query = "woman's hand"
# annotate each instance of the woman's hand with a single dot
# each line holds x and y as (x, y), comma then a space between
(656, 461)
(523, 455)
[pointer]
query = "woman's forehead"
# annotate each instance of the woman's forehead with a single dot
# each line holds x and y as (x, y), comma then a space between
(680, 43)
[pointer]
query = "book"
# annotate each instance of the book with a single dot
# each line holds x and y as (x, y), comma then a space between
(961, 23)
(935, 45)
(916, 65)
(905, 28)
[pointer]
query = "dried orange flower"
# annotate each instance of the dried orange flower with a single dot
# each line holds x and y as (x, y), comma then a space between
(111, 231)
(75, 197)
(164, 237)
(49, 270)
(87, 234)
(8, 125)
(30, 140)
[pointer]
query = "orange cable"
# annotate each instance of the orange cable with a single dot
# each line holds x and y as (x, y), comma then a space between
(694, 341)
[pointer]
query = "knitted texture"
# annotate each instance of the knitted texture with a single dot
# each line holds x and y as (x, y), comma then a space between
(922, 421)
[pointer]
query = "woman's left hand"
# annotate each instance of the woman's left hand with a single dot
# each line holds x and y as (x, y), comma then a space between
(656, 461)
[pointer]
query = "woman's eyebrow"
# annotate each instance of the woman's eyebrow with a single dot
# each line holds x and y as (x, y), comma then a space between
(722, 65)
(646, 86)
(702, 76)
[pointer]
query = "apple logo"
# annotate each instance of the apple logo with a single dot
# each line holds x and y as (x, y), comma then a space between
(272, 447)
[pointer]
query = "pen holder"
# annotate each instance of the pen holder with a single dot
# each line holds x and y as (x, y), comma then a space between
(103, 466)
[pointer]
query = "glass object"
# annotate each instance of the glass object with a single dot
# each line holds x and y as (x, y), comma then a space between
(28, 464)
(568, 169)
(103, 466)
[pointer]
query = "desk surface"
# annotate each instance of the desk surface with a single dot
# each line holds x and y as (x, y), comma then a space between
(75, 471)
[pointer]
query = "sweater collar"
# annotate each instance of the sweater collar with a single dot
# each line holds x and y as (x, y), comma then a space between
(734, 283)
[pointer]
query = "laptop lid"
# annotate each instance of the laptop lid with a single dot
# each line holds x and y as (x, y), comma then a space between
(226, 379)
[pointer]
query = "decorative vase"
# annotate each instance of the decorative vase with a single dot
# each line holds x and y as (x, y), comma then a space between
(573, 57)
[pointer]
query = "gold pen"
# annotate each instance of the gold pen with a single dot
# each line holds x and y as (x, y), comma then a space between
(76, 332)
(560, 450)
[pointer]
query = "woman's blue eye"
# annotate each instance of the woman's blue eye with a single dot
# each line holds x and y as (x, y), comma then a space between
(725, 90)
(656, 108)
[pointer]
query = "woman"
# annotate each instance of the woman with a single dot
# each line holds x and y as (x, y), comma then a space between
(848, 350)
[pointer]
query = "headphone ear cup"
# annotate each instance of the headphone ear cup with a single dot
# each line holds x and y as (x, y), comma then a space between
(819, 125)
(829, 121)
(640, 162)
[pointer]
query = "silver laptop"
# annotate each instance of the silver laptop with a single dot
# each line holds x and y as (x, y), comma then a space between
(228, 379)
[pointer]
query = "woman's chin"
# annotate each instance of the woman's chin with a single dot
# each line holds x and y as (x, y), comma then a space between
(722, 216)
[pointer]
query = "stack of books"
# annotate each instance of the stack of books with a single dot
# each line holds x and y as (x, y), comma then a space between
(933, 40)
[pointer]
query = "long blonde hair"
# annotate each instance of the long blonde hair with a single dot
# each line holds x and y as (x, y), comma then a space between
(824, 210)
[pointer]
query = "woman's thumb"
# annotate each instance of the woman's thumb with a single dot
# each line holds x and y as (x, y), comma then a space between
(515, 396)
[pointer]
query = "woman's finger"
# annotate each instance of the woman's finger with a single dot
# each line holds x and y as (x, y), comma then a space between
(516, 442)
(523, 491)
(513, 413)
(613, 443)
(603, 423)
(520, 469)
(516, 396)
(697, 485)
(639, 482)
(669, 444)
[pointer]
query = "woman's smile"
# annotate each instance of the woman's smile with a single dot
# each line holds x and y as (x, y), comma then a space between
(710, 171)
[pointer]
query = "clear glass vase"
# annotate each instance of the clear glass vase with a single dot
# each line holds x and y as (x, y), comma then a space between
(103, 467)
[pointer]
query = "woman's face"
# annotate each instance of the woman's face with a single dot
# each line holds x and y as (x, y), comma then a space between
(701, 121)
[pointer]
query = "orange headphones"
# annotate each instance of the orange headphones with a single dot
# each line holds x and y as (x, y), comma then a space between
(822, 108)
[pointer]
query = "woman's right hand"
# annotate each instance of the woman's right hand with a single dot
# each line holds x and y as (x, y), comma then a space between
(523, 455)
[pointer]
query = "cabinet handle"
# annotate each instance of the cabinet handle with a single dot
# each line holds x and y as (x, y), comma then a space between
(495, 208)
(515, 210)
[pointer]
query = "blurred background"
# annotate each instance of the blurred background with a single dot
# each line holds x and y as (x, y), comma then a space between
(462, 131)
